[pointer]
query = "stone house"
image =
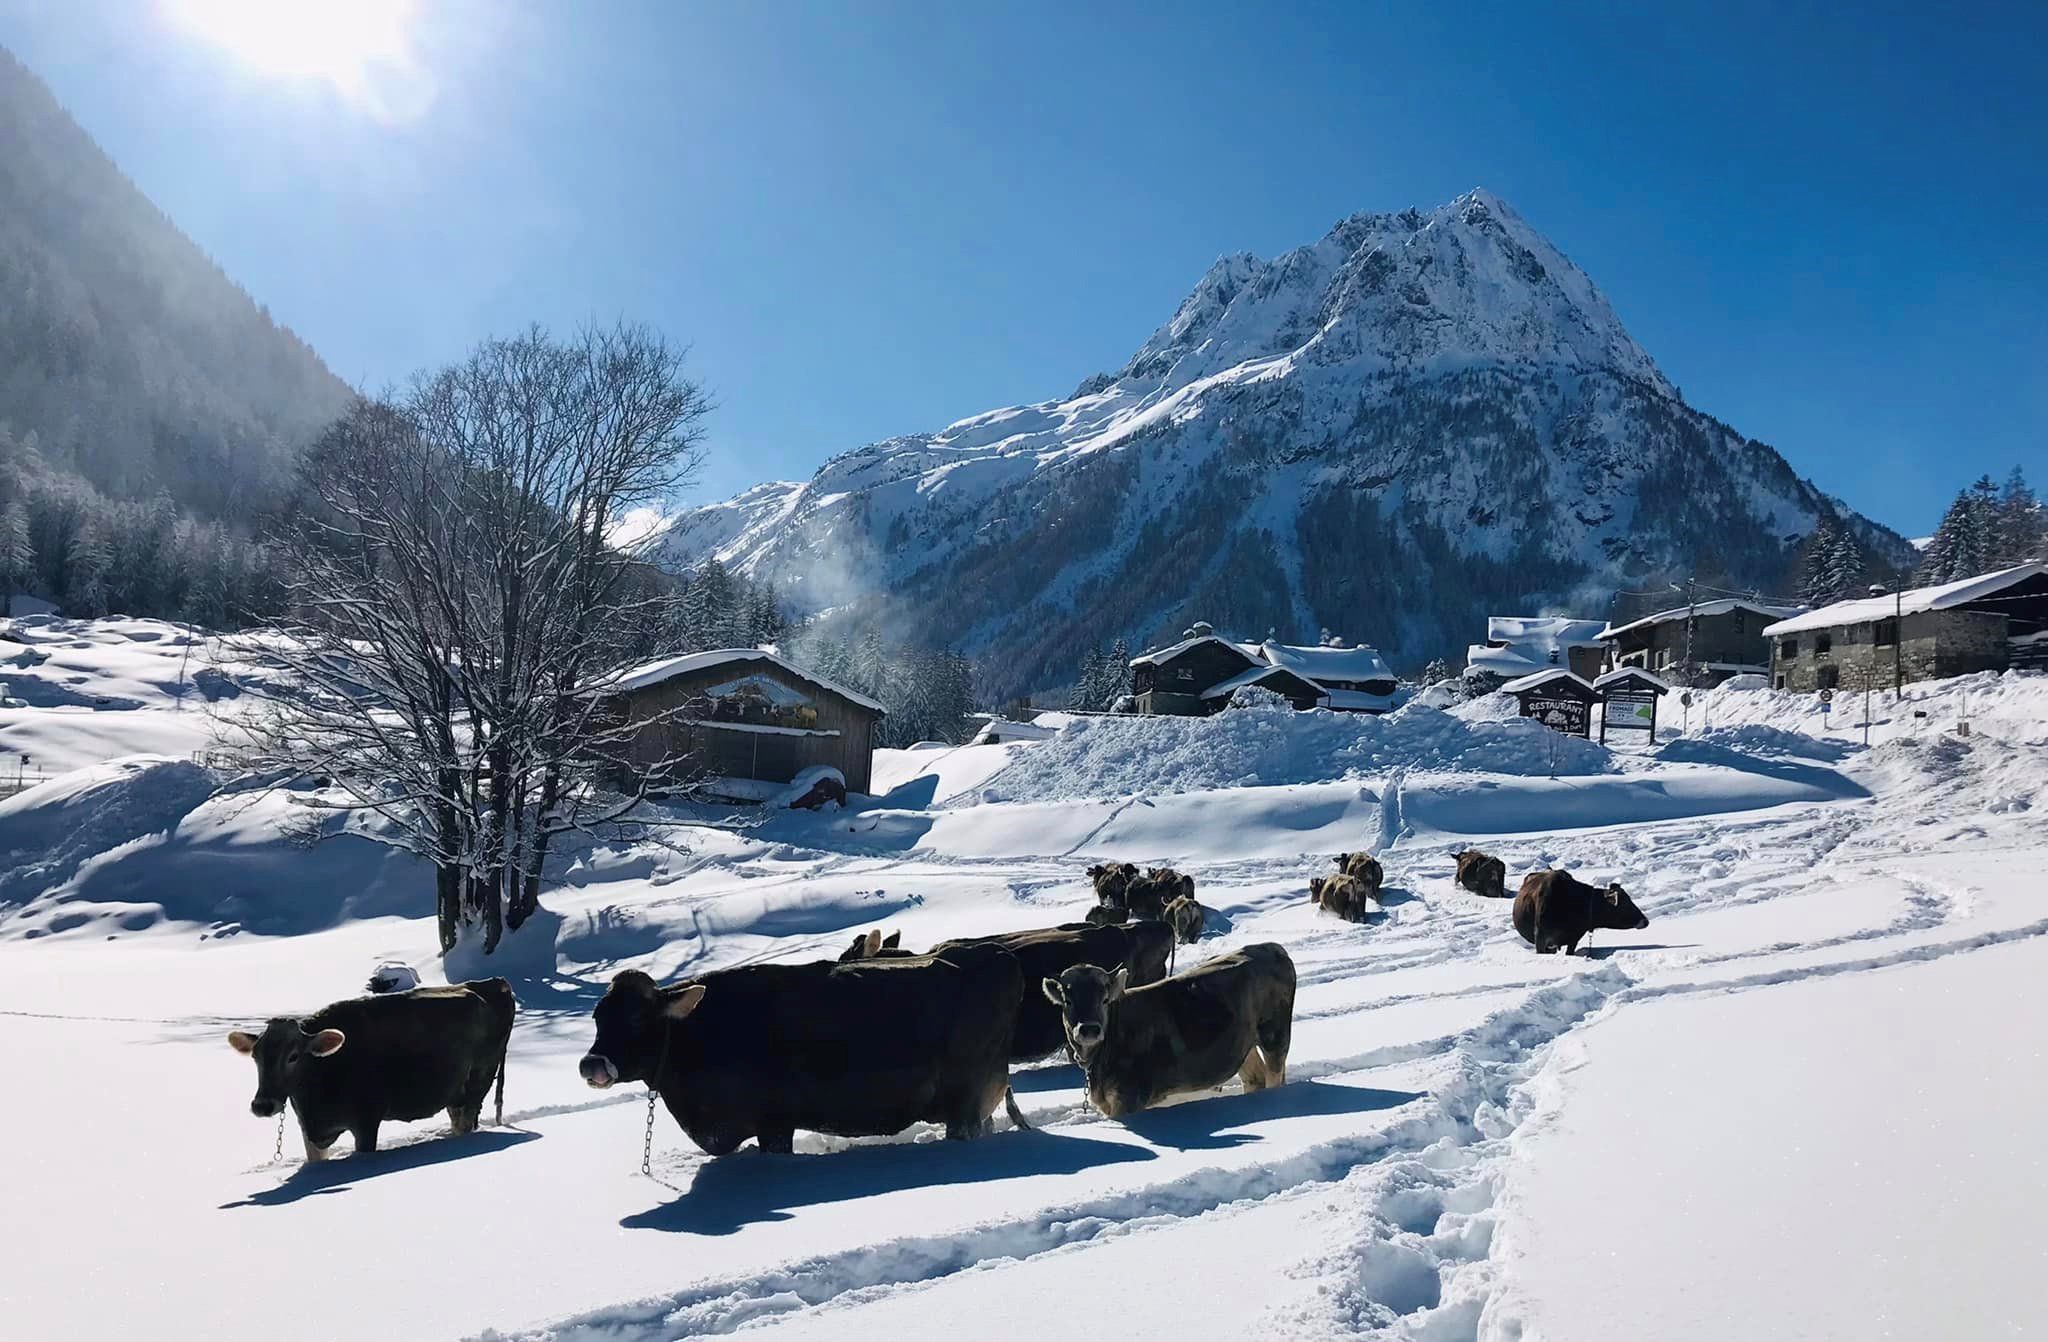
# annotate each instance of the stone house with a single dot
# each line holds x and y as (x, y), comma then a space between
(1983, 623)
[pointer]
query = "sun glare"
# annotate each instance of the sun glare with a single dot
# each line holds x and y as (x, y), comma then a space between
(361, 48)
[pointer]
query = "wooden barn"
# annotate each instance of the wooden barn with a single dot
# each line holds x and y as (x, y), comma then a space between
(1200, 673)
(744, 719)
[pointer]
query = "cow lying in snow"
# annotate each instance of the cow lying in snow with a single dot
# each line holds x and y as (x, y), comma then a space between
(1229, 1016)
(1554, 909)
(1482, 875)
(856, 1050)
(1365, 869)
(351, 1066)
(1140, 948)
(1345, 896)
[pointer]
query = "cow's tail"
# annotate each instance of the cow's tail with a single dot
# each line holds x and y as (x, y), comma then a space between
(1016, 1114)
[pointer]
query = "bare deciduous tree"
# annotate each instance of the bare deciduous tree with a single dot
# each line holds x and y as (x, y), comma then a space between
(455, 600)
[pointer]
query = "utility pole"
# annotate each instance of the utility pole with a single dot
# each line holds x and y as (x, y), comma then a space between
(1898, 643)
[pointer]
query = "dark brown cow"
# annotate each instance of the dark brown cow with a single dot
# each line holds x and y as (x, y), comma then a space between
(1345, 896)
(1482, 875)
(857, 1050)
(1366, 869)
(1229, 1016)
(351, 1066)
(1141, 948)
(1111, 879)
(1168, 896)
(1554, 909)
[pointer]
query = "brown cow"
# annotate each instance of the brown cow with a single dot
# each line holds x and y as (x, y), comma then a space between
(1111, 879)
(1554, 909)
(1229, 1016)
(1481, 874)
(1365, 868)
(1345, 896)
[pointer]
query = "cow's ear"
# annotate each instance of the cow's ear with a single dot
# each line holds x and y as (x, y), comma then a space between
(1116, 984)
(873, 942)
(1053, 992)
(684, 1002)
(242, 1042)
(893, 941)
(326, 1043)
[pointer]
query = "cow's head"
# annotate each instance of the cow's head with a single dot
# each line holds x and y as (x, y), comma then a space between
(282, 1052)
(1185, 917)
(1621, 911)
(1111, 879)
(632, 1028)
(1086, 997)
(1343, 861)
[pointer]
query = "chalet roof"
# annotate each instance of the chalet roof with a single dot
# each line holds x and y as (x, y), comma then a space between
(1542, 678)
(1252, 676)
(1702, 610)
(1357, 701)
(1163, 655)
(1913, 601)
(1323, 664)
(635, 679)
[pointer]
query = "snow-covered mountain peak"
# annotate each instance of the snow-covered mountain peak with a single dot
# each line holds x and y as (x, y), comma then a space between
(1417, 418)
(1469, 283)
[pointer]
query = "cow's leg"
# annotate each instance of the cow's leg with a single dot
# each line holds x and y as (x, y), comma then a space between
(462, 1119)
(1276, 1037)
(316, 1150)
(1252, 1071)
(780, 1141)
(366, 1137)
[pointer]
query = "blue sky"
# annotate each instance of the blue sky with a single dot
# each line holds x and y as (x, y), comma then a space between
(876, 218)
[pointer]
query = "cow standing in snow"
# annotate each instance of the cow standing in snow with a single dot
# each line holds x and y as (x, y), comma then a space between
(1482, 874)
(1554, 909)
(857, 1050)
(1345, 896)
(1140, 948)
(351, 1066)
(1365, 869)
(1229, 1016)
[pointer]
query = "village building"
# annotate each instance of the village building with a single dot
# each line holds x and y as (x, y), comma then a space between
(1199, 674)
(739, 723)
(1720, 638)
(1521, 645)
(1991, 622)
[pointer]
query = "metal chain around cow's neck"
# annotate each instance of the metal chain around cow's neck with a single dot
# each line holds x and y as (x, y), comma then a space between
(647, 1145)
(277, 1151)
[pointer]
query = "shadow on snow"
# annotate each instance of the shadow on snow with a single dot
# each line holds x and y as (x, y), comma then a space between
(1207, 1124)
(336, 1175)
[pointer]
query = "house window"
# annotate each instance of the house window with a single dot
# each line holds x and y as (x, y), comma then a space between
(1823, 644)
(1788, 649)
(1781, 680)
(1827, 677)
(1887, 633)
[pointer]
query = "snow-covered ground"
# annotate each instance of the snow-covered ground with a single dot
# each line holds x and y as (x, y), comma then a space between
(1798, 1104)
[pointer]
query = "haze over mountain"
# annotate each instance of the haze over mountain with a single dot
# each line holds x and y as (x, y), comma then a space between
(1420, 419)
(127, 357)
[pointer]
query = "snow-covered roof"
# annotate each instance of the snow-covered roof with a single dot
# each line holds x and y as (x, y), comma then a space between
(1249, 676)
(1542, 678)
(1661, 685)
(1168, 654)
(1700, 609)
(1501, 661)
(1543, 631)
(1323, 664)
(667, 668)
(1002, 729)
(1913, 601)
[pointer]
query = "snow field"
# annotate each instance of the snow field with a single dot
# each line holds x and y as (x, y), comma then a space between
(1475, 1142)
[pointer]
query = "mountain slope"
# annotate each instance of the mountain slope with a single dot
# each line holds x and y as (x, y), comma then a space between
(126, 355)
(1421, 418)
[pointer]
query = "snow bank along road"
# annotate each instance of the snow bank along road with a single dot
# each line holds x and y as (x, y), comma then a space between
(1474, 1142)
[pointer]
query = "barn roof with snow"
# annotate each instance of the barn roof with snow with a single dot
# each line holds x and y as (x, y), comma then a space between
(1912, 601)
(1701, 610)
(635, 679)
(1331, 667)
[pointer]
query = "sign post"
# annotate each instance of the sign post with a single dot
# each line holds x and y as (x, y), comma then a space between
(1558, 699)
(1628, 702)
